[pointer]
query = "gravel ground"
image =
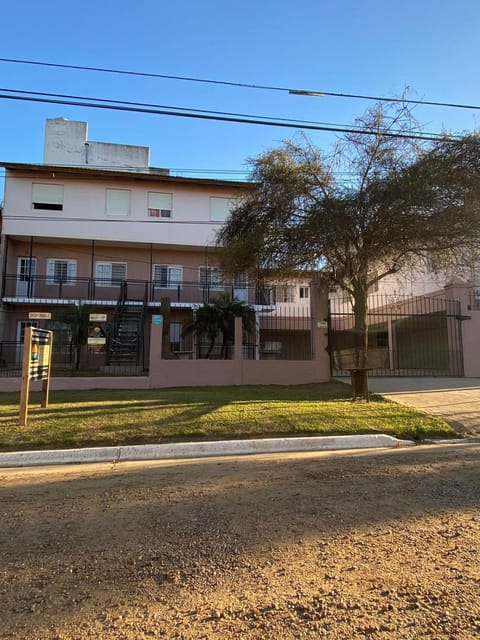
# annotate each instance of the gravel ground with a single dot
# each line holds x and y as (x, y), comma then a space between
(378, 544)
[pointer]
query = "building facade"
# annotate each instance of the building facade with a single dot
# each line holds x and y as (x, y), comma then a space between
(95, 243)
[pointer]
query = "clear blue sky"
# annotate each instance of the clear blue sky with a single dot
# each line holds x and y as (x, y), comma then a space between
(350, 46)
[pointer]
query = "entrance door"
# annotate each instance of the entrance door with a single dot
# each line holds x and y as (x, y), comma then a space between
(26, 271)
(21, 326)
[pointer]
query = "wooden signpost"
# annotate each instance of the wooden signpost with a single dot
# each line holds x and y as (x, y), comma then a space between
(37, 357)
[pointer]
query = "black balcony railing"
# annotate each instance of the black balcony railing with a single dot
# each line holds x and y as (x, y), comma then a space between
(97, 289)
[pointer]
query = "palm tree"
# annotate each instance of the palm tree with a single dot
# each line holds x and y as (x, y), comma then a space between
(77, 318)
(218, 318)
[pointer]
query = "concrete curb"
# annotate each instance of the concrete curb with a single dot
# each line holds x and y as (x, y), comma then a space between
(197, 450)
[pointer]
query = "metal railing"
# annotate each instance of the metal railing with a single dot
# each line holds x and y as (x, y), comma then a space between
(96, 289)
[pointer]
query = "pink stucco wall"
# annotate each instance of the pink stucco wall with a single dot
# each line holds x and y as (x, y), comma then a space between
(83, 215)
(470, 328)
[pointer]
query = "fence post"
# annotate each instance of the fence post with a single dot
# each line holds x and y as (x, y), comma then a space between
(238, 339)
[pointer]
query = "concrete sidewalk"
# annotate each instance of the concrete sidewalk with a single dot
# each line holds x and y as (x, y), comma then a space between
(456, 400)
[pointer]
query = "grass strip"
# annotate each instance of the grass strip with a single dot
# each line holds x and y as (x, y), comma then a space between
(117, 417)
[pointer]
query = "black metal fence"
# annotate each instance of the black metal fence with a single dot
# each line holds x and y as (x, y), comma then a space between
(279, 333)
(411, 336)
(81, 336)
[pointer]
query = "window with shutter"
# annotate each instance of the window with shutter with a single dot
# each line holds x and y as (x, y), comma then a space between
(159, 205)
(117, 202)
(47, 196)
(220, 208)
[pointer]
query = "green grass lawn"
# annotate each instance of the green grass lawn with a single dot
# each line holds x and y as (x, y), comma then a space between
(113, 417)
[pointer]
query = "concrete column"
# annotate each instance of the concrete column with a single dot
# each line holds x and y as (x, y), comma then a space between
(155, 354)
(319, 326)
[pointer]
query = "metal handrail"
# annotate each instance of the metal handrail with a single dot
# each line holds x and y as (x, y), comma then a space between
(84, 288)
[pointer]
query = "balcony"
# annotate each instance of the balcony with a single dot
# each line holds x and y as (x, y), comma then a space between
(42, 289)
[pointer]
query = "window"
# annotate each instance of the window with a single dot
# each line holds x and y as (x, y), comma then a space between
(167, 276)
(176, 342)
(220, 208)
(431, 265)
(117, 202)
(61, 271)
(110, 274)
(210, 277)
(159, 205)
(62, 335)
(284, 293)
(47, 196)
(304, 292)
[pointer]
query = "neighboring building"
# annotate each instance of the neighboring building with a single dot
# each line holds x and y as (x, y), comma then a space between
(97, 231)
(422, 320)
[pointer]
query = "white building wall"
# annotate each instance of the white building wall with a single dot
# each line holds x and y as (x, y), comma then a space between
(66, 143)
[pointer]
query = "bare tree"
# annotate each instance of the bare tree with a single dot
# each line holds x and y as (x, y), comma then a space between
(382, 198)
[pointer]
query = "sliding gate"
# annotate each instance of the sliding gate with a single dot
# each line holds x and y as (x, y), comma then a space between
(416, 336)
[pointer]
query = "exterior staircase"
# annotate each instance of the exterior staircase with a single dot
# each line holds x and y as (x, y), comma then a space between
(125, 347)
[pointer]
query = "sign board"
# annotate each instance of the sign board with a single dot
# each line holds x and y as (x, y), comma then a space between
(37, 357)
(97, 317)
(157, 319)
(97, 340)
(39, 315)
(322, 324)
(40, 354)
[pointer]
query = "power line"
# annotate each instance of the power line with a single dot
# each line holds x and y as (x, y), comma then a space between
(163, 106)
(243, 85)
(237, 118)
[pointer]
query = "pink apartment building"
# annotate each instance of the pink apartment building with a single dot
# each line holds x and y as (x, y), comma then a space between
(96, 229)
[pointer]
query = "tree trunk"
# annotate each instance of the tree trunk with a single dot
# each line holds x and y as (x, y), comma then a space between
(359, 376)
(210, 349)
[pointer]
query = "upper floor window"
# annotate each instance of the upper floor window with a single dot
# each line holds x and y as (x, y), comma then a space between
(304, 292)
(284, 293)
(117, 202)
(167, 276)
(47, 196)
(159, 205)
(220, 208)
(110, 274)
(61, 271)
(431, 264)
(210, 277)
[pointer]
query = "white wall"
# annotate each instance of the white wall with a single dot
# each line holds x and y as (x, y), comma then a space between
(66, 143)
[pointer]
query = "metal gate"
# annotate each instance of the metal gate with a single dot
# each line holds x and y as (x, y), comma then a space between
(414, 336)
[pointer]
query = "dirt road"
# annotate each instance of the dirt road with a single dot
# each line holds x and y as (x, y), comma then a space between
(379, 544)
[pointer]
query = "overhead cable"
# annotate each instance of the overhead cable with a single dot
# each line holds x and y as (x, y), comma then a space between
(244, 85)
